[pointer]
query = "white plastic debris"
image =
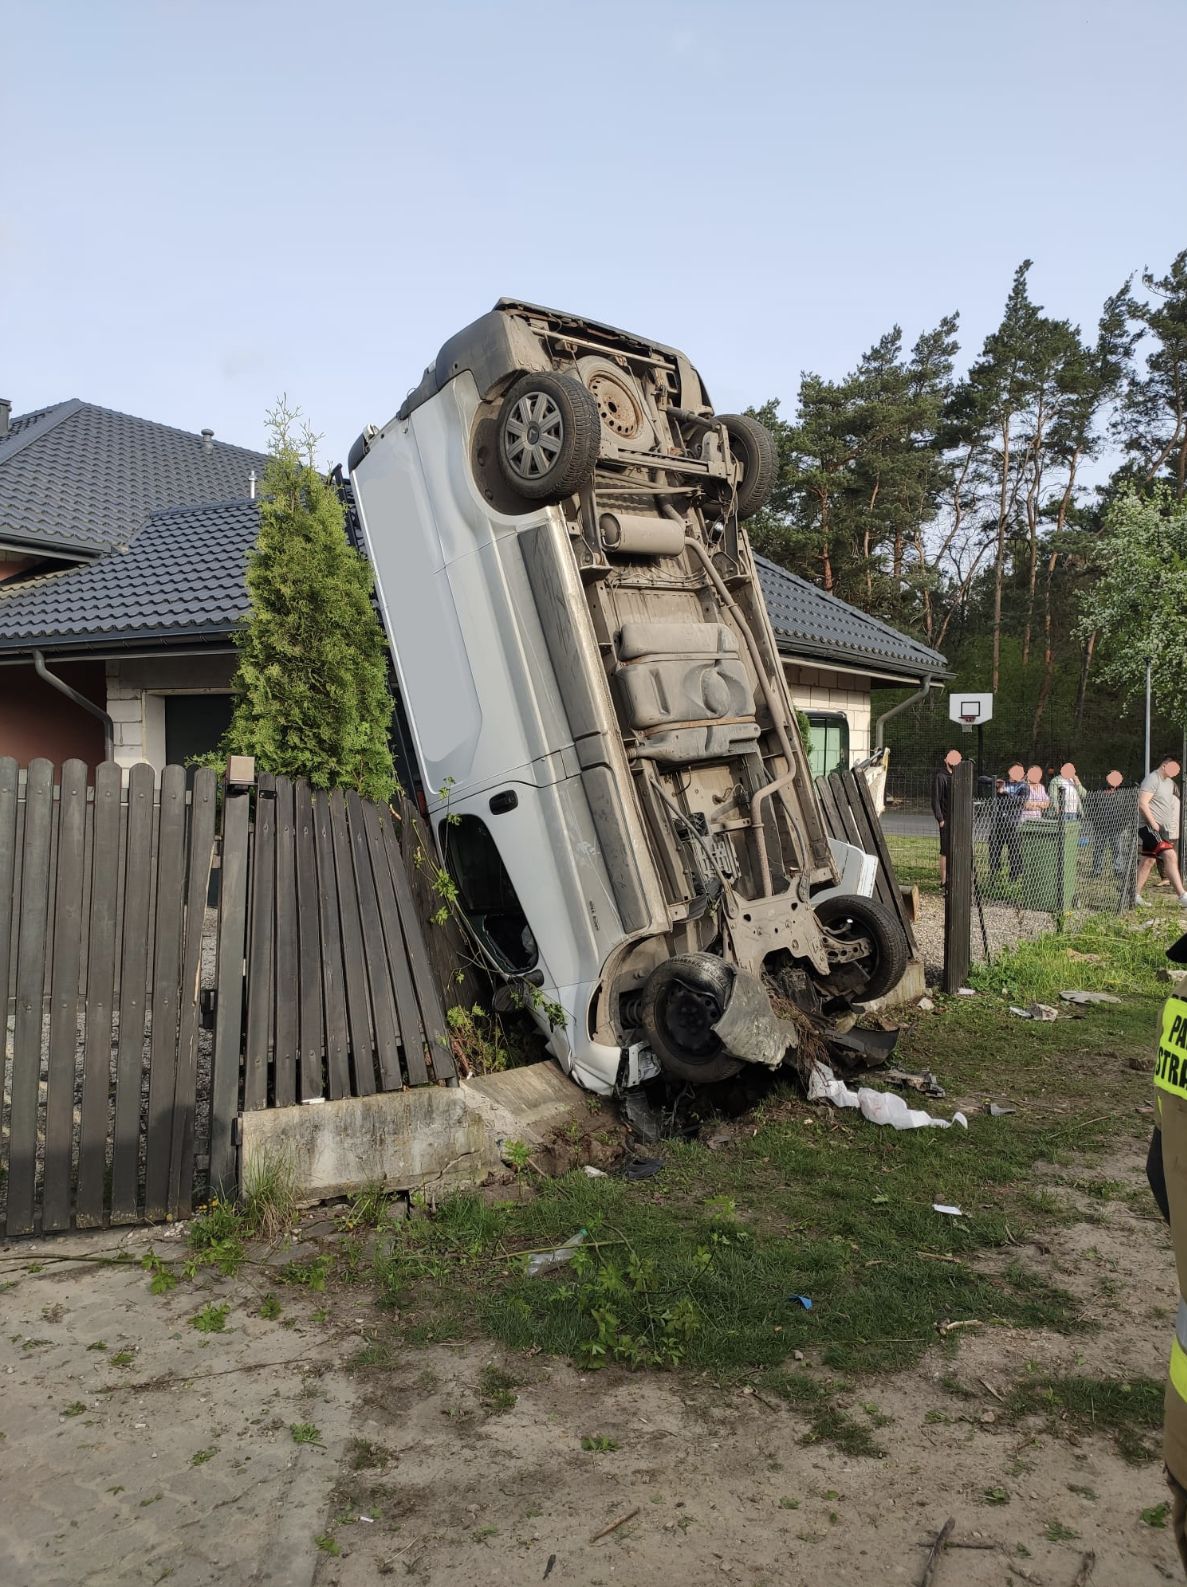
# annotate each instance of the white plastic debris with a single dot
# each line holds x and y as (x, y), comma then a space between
(952, 1212)
(965, 991)
(925, 1005)
(1089, 997)
(563, 1253)
(880, 1107)
(594, 1173)
(1040, 1011)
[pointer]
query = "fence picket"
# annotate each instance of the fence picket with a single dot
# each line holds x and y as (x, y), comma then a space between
(133, 993)
(100, 997)
(411, 1025)
(63, 1008)
(337, 1040)
(428, 996)
(166, 983)
(201, 854)
(228, 1028)
(383, 1006)
(309, 949)
(30, 991)
(259, 978)
(355, 972)
(286, 989)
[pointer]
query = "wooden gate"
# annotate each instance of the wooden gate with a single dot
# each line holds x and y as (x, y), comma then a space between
(850, 817)
(102, 906)
(118, 1101)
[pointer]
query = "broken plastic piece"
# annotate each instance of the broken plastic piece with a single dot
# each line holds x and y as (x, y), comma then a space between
(999, 1113)
(802, 1300)
(1089, 997)
(594, 1173)
(750, 1029)
(952, 1212)
(643, 1167)
(543, 1260)
(965, 991)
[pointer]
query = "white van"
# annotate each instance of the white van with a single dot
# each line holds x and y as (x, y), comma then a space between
(596, 706)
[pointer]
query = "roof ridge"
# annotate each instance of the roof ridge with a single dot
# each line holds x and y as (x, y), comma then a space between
(868, 617)
(51, 417)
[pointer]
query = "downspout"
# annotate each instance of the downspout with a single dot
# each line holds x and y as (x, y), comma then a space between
(62, 687)
(912, 699)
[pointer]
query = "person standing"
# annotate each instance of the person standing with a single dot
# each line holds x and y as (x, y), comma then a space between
(1156, 813)
(941, 803)
(1066, 793)
(1166, 1169)
(1009, 792)
(1036, 801)
(1105, 814)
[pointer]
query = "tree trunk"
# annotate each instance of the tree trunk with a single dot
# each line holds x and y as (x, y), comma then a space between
(1048, 654)
(1082, 688)
(1000, 556)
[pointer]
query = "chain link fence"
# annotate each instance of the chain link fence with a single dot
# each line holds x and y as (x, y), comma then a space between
(1043, 856)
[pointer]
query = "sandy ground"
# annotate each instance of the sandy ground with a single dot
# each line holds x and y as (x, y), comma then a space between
(181, 1466)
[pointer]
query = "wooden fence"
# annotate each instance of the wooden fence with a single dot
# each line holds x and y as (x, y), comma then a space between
(850, 817)
(117, 1103)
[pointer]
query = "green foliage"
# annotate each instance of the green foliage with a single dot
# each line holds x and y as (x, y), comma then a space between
(212, 1319)
(311, 694)
(304, 1433)
(268, 1202)
(1129, 1410)
(599, 1444)
(1138, 600)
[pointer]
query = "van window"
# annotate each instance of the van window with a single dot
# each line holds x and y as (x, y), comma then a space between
(830, 742)
(485, 893)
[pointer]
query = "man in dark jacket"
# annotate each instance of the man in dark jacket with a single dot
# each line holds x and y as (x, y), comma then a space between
(1008, 794)
(941, 800)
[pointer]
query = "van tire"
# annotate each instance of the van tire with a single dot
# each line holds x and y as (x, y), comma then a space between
(549, 430)
(753, 447)
(676, 1011)
(849, 915)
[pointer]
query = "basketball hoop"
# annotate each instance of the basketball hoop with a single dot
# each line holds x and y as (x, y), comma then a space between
(969, 717)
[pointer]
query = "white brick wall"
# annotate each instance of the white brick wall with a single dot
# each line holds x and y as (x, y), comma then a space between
(136, 691)
(818, 689)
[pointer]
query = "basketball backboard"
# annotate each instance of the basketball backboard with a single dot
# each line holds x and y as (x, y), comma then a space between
(970, 710)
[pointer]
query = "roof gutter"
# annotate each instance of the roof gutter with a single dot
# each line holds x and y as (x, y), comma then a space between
(912, 699)
(62, 687)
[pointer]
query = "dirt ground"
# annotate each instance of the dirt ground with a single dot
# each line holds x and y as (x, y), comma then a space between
(169, 1454)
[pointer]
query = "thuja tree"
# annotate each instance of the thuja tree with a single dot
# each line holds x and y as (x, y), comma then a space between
(311, 694)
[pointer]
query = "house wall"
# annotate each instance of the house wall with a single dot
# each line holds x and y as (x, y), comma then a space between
(36, 720)
(136, 691)
(815, 688)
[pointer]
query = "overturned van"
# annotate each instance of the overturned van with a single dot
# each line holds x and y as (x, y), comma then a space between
(596, 706)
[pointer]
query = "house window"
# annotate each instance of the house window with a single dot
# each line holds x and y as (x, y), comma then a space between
(830, 742)
(487, 898)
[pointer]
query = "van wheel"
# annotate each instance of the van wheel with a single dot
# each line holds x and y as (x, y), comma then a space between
(683, 999)
(849, 917)
(753, 447)
(548, 433)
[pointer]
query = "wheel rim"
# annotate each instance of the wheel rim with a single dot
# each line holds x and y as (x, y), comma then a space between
(535, 432)
(687, 1015)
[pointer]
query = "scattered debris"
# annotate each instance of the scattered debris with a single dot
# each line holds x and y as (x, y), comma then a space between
(643, 1167)
(985, 1384)
(542, 1260)
(719, 1138)
(880, 1107)
(803, 1300)
(996, 1112)
(1087, 1566)
(550, 1567)
(925, 1005)
(952, 1212)
(945, 1328)
(591, 1172)
(644, 1120)
(965, 991)
(1083, 958)
(1089, 997)
(926, 1082)
(1038, 1011)
(864, 1049)
(614, 1525)
(937, 1548)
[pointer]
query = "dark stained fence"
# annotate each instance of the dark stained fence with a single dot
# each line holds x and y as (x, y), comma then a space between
(326, 984)
(102, 908)
(850, 817)
(958, 899)
(118, 1104)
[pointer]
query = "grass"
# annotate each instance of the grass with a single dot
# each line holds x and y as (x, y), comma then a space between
(305, 1433)
(1129, 1411)
(268, 1198)
(599, 1444)
(497, 1390)
(212, 1319)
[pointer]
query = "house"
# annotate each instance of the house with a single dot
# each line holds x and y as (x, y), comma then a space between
(838, 660)
(123, 545)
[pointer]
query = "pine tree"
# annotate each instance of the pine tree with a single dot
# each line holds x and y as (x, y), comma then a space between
(311, 694)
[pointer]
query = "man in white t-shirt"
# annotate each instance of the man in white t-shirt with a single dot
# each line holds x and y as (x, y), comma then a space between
(1156, 814)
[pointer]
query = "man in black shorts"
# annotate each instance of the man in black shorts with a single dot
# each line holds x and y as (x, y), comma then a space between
(1156, 805)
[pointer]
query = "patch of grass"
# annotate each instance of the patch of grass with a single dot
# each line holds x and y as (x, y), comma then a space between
(1127, 1411)
(996, 1496)
(599, 1444)
(163, 1277)
(212, 1319)
(497, 1390)
(75, 1408)
(122, 1358)
(363, 1455)
(314, 1273)
(328, 1543)
(216, 1238)
(1156, 1515)
(201, 1456)
(98, 1344)
(305, 1433)
(270, 1308)
(1058, 1533)
(789, 1504)
(368, 1207)
(269, 1195)
(828, 1421)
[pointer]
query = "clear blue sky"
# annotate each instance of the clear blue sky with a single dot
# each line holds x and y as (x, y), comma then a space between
(202, 205)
